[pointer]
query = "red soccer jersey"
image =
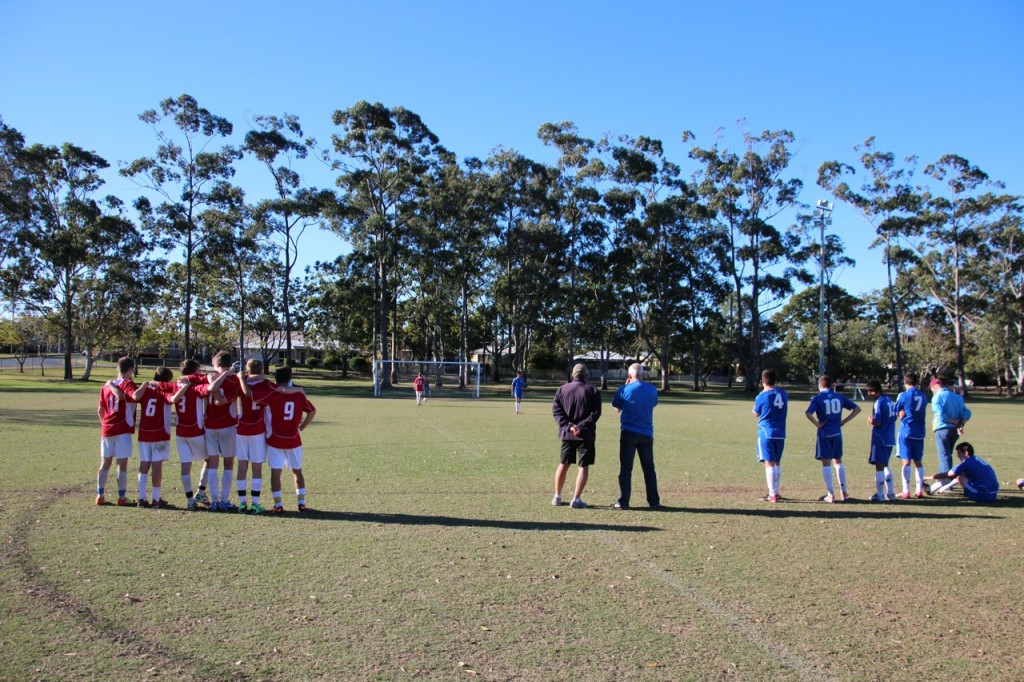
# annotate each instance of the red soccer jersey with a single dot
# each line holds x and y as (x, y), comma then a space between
(117, 417)
(155, 421)
(224, 416)
(251, 422)
(285, 416)
(191, 410)
(417, 385)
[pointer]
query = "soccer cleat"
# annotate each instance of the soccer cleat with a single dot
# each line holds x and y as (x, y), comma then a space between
(556, 501)
(843, 496)
(160, 504)
(770, 498)
(202, 498)
(618, 505)
(123, 502)
(143, 504)
(578, 504)
(303, 507)
(878, 498)
(905, 495)
(279, 509)
(1020, 484)
(828, 497)
(100, 501)
(242, 508)
(919, 495)
(191, 505)
(256, 509)
(891, 496)
(934, 488)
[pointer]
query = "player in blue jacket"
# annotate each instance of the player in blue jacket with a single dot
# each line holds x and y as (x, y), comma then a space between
(826, 413)
(883, 439)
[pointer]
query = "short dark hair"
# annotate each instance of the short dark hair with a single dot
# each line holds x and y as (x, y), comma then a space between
(768, 377)
(965, 449)
(190, 366)
(124, 364)
(910, 379)
(163, 374)
(253, 366)
(222, 359)
(283, 374)
(874, 386)
(824, 381)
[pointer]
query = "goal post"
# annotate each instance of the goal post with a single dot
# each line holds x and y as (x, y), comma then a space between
(442, 376)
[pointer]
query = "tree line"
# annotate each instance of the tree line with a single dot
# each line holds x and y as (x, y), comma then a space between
(613, 247)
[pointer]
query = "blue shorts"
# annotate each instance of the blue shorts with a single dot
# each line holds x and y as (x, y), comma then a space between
(911, 448)
(976, 494)
(770, 449)
(880, 454)
(829, 447)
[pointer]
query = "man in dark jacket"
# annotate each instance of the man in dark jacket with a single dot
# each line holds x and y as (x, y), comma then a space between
(576, 408)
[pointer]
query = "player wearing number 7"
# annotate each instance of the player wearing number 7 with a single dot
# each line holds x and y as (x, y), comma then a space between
(910, 407)
(826, 413)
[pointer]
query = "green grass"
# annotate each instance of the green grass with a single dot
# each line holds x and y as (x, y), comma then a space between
(435, 553)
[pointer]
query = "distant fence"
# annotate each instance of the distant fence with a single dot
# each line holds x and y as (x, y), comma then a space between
(50, 362)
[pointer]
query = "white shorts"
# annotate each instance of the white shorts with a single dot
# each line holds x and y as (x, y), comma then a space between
(118, 447)
(220, 442)
(192, 449)
(252, 448)
(291, 456)
(160, 451)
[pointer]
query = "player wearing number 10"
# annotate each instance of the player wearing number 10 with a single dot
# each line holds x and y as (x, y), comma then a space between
(770, 408)
(826, 413)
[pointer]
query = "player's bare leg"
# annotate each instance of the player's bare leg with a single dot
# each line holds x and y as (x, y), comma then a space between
(300, 488)
(560, 474)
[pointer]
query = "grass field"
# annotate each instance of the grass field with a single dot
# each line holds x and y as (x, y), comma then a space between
(434, 553)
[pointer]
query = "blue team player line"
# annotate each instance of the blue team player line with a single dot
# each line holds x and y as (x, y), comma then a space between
(826, 413)
(883, 439)
(770, 408)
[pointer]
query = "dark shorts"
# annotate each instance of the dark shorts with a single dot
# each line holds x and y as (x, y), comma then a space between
(579, 451)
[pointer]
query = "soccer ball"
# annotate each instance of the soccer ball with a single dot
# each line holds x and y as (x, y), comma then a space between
(1020, 483)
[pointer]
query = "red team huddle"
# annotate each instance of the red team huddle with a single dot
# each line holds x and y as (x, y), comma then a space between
(219, 416)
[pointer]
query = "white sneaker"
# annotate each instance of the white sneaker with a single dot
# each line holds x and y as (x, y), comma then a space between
(577, 503)
(556, 501)
(828, 497)
(877, 498)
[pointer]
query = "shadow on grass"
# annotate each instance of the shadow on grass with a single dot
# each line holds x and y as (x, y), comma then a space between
(462, 522)
(850, 510)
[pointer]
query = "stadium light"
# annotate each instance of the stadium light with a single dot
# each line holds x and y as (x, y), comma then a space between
(823, 214)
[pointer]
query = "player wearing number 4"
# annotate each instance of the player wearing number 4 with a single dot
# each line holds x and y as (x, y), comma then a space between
(826, 413)
(770, 408)
(910, 408)
(883, 438)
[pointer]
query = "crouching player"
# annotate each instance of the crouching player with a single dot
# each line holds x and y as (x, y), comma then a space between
(156, 398)
(289, 414)
(117, 424)
(977, 476)
(883, 439)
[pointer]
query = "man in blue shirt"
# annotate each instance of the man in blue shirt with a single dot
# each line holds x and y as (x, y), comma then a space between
(883, 439)
(910, 407)
(770, 408)
(518, 386)
(635, 402)
(826, 413)
(975, 474)
(949, 415)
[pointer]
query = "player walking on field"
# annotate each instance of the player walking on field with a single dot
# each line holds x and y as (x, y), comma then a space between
(419, 387)
(518, 387)
(910, 408)
(156, 398)
(117, 424)
(771, 408)
(883, 439)
(826, 413)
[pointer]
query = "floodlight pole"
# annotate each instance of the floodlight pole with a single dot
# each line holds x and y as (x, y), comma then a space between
(823, 212)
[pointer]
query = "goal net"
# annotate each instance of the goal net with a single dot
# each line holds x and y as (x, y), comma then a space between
(443, 378)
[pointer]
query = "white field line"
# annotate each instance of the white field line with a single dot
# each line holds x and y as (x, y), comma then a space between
(804, 669)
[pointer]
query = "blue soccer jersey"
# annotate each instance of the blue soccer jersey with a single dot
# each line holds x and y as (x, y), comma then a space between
(883, 431)
(828, 406)
(771, 407)
(518, 386)
(912, 402)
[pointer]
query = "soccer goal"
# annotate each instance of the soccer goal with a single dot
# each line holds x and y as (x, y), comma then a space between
(442, 377)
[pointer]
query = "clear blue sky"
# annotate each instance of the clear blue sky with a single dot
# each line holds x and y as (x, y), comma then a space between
(924, 78)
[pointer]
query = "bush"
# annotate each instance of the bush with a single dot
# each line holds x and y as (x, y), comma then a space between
(313, 363)
(361, 365)
(332, 361)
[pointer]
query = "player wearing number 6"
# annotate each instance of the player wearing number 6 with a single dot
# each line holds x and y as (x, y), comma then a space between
(826, 413)
(770, 408)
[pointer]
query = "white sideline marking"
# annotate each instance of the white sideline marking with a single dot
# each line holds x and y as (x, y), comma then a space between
(802, 668)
